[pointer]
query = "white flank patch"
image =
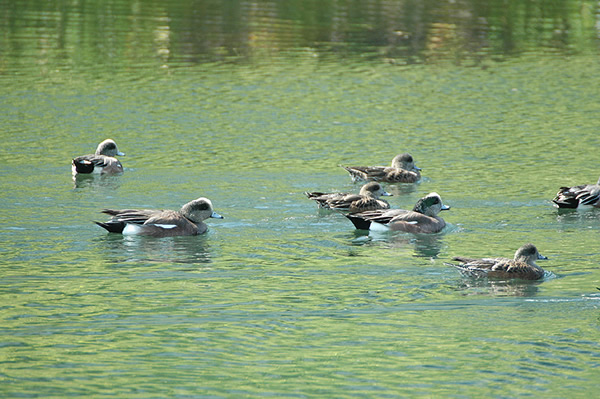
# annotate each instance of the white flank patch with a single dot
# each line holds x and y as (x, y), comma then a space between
(131, 229)
(378, 227)
(166, 226)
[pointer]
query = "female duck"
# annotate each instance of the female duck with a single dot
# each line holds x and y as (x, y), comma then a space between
(103, 161)
(367, 199)
(422, 219)
(403, 170)
(523, 265)
(161, 223)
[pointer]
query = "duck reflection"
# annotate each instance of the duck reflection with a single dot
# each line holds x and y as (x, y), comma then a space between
(179, 250)
(401, 189)
(519, 288)
(112, 182)
(425, 245)
(576, 216)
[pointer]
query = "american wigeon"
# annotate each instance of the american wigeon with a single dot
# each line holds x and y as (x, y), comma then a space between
(103, 161)
(422, 219)
(403, 170)
(522, 266)
(367, 199)
(161, 223)
(574, 197)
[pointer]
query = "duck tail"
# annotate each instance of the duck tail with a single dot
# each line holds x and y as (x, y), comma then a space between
(112, 227)
(83, 166)
(358, 222)
(355, 174)
(468, 271)
(565, 199)
(313, 194)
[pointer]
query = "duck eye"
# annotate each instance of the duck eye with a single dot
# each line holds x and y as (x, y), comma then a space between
(203, 207)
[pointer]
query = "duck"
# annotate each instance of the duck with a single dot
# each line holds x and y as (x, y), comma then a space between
(188, 221)
(422, 219)
(366, 199)
(578, 196)
(402, 170)
(522, 266)
(103, 161)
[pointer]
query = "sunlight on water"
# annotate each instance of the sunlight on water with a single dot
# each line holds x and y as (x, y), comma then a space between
(251, 104)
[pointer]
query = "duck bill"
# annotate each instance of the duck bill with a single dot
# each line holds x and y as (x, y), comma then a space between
(386, 194)
(216, 215)
(121, 154)
(445, 207)
(542, 257)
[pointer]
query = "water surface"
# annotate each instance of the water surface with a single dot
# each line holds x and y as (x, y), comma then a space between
(250, 104)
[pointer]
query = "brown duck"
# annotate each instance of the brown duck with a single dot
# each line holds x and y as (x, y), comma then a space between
(402, 170)
(523, 265)
(367, 199)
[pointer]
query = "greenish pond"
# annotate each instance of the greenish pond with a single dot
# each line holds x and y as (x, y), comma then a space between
(251, 104)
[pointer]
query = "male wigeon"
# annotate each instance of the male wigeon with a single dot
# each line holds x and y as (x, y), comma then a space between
(161, 223)
(521, 267)
(367, 199)
(403, 170)
(422, 219)
(577, 196)
(103, 161)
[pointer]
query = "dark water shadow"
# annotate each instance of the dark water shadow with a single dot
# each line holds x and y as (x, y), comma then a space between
(517, 288)
(512, 287)
(425, 245)
(112, 182)
(400, 189)
(140, 249)
(576, 216)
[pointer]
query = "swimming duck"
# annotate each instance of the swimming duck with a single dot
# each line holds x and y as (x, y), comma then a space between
(522, 266)
(367, 199)
(161, 223)
(574, 197)
(403, 170)
(422, 219)
(103, 161)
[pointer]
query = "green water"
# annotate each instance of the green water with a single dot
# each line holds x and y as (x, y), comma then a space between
(250, 104)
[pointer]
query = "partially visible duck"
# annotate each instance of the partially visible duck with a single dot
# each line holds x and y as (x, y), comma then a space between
(161, 223)
(403, 170)
(367, 199)
(103, 161)
(522, 266)
(422, 219)
(577, 196)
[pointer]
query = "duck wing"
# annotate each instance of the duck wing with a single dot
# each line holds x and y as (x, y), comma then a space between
(368, 204)
(477, 267)
(325, 200)
(589, 195)
(343, 201)
(363, 220)
(166, 224)
(416, 222)
(88, 163)
(357, 173)
(400, 175)
(499, 268)
(516, 269)
(121, 217)
(572, 197)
